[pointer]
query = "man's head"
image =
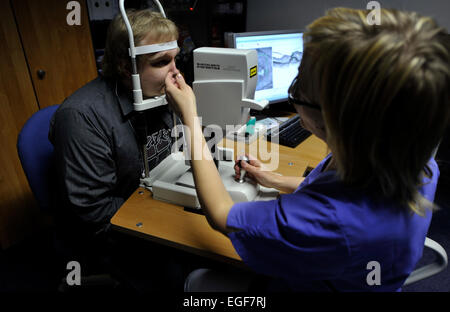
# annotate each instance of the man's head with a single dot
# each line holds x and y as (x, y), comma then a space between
(148, 28)
(383, 92)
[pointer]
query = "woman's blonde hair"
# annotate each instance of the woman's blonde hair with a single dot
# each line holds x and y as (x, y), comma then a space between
(116, 61)
(384, 93)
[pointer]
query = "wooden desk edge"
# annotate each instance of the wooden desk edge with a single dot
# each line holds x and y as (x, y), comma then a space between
(196, 251)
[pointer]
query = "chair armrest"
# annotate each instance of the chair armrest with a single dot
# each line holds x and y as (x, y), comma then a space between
(430, 269)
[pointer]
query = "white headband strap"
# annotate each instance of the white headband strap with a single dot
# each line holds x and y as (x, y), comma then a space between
(157, 47)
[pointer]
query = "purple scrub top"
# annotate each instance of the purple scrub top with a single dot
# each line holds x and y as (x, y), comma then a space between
(325, 236)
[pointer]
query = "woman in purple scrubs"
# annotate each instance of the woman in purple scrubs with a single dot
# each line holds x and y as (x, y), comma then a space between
(378, 95)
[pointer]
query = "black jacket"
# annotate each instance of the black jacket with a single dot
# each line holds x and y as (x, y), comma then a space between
(97, 156)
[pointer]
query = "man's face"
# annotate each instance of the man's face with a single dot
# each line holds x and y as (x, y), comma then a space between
(153, 68)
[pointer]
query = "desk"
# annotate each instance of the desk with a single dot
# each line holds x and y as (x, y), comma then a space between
(171, 225)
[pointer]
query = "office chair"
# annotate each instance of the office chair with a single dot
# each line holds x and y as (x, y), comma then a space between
(439, 252)
(35, 153)
(208, 280)
(430, 269)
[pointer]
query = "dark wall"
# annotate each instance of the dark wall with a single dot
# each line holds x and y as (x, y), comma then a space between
(287, 14)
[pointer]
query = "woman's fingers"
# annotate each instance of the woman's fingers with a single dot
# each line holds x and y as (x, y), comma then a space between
(180, 80)
(171, 83)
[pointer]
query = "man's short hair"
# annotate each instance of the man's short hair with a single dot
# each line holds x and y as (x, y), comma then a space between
(116, 62)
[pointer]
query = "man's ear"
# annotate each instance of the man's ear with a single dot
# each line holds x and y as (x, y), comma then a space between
(126, 72)
(125, 69)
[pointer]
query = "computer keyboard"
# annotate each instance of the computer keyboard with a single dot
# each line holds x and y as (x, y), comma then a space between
(290, 133)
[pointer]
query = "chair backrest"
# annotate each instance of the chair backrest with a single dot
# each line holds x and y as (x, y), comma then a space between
(35, 153)
(439, 264)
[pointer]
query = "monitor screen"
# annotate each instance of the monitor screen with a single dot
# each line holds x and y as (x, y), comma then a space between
(279, 56)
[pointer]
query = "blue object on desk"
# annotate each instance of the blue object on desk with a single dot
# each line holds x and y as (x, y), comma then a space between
(250, 126)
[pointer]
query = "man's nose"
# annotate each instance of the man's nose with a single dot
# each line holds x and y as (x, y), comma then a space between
(173, 67)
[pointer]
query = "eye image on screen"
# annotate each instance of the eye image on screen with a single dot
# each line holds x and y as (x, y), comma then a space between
(265, 77)
(279, 57)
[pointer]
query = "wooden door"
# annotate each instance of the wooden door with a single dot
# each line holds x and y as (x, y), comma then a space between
(63, 52)
(17, 103)
(34, 35)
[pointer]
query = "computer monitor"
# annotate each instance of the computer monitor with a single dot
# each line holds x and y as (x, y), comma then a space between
(279, 56)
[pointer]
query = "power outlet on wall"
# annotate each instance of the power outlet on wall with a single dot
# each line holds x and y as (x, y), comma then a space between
(102, 9)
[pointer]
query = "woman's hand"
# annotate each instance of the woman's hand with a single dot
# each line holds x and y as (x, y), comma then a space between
(180, 96)
(256, 172)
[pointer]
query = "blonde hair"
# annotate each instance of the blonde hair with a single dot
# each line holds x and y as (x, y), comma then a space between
(116, 61)
(384, 93)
